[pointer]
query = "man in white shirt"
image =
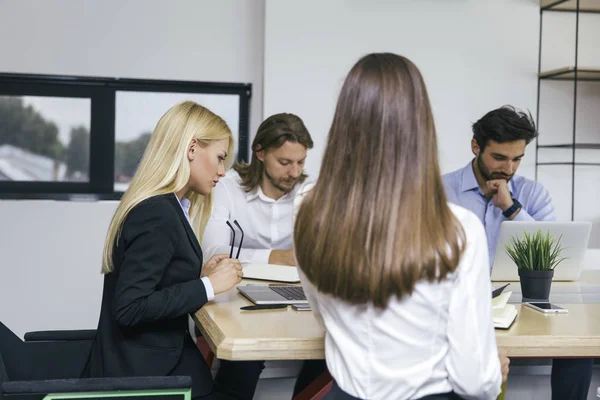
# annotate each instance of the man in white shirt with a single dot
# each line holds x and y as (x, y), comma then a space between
(260, 197)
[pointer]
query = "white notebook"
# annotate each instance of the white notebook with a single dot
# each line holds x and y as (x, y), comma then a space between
(504, 314)
(271, 272)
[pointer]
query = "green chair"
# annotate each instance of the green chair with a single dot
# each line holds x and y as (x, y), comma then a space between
(99, 388)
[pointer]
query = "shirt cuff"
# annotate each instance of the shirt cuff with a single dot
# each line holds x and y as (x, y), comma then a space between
(210, 291)
(522, 216)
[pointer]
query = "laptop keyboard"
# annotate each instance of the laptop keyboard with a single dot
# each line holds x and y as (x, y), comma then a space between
(289, 292)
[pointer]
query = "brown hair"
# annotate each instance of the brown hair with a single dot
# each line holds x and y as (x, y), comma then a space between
(272, 133)
(378, 220)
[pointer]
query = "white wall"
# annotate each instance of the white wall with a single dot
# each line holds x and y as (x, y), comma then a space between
(50, 252)
(475, 55)
(50, 259)
(196, 40)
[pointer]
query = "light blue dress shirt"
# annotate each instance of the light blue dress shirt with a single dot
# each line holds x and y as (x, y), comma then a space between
(462, 189)
(185, 206)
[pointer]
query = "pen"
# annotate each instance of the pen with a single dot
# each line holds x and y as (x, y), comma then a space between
(264, 307)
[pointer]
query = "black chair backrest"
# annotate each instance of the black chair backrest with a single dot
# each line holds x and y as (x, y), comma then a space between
(59, 336)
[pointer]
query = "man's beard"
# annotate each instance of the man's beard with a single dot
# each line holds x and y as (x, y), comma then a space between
(278, 183)
(486, 173)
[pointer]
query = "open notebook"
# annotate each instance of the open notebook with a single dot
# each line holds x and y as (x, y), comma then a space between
(504, 314)
(271, 272)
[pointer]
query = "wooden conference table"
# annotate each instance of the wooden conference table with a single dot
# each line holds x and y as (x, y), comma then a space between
(286, 334)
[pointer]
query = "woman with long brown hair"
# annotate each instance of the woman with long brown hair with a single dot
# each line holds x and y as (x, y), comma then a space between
(396, 274)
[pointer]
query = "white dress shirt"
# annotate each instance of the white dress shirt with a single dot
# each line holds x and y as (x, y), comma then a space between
(185, 206)
(437, 340)
(267, 223)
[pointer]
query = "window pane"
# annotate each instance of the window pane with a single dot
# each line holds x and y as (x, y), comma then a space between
(44, 138)
(137, 114)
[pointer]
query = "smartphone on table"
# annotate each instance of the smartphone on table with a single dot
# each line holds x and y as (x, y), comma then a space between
(301, 307)
(547, 308)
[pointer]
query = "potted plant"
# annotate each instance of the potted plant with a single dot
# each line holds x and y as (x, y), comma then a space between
(536, 255)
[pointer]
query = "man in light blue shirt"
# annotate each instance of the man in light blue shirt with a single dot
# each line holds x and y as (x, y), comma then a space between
(498, 190)
(488, 187)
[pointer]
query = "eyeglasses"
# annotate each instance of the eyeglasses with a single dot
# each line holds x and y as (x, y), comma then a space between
(233, 240)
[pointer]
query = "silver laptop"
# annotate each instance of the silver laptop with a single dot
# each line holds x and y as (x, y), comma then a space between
(574, 240)
(274, 294)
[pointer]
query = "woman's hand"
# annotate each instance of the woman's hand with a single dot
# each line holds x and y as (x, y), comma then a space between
(223, 272)
(211, 264)
(504, 363)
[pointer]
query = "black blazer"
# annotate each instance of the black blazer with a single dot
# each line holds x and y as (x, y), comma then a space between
(155, 284)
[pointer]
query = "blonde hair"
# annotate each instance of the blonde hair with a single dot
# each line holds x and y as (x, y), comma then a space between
(165, 168)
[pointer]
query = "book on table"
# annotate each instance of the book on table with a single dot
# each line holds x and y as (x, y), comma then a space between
(504, 314)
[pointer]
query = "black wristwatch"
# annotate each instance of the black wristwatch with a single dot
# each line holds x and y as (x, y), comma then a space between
(511, 210)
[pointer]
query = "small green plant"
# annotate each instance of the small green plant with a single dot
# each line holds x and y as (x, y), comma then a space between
(535, 252)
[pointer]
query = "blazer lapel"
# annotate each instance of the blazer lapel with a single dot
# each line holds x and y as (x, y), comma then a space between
(188, 229)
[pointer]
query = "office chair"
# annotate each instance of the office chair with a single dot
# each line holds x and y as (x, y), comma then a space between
(59, 336)
(318, 389)
(80, 388)
(89, 334)
(99, 387)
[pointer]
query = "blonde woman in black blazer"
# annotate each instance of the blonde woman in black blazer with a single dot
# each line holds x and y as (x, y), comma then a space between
(154, 275)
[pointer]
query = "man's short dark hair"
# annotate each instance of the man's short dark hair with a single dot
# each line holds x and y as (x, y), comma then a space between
(505, 124)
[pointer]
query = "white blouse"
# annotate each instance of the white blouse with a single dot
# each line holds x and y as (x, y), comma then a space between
(439, 339)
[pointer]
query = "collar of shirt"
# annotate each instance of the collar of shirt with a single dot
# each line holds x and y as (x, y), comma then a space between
(185, 206)
(469, 181)
(257, 192)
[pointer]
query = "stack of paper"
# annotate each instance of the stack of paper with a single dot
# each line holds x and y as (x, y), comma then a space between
(504, 314)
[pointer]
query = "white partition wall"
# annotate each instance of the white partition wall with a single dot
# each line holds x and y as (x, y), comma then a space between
(50, 260)
(475, 55)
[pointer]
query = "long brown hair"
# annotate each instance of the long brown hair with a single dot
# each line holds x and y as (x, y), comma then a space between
(377, 220)
(272, 134)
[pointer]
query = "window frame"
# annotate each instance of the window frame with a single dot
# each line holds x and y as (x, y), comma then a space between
(102, 94)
